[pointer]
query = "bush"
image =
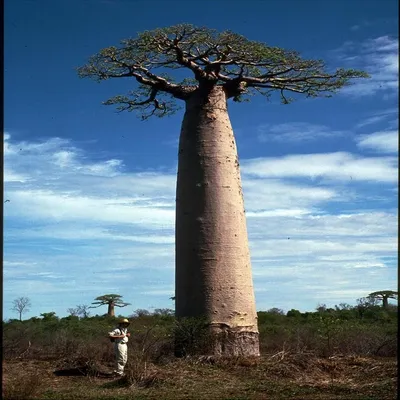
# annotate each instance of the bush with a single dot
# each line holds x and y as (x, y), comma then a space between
(343, 330)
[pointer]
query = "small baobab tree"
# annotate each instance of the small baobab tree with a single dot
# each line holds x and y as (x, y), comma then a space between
(111, 300)
(213, 278)
(384, 295)
(21, 305)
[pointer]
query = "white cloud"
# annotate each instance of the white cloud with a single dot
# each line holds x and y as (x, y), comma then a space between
(378, 57)
(53, 180)
(64, 206)
(317, 282)
(279, 213)
(159, 292)
(275, 195)
(296, 132)
(11, 176)
(382, 44)
(351, 225)
(79, 227)
(68, 231)
(338, 166)
(385, 141)
(314, 247)
(379, 116)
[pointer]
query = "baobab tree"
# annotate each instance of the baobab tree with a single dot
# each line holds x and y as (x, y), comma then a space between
(111, 300)
(21, 305)
(384, 295)
(213, 270)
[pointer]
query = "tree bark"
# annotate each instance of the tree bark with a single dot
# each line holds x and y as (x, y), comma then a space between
(385, 302)
(110, 311)
(213, 268)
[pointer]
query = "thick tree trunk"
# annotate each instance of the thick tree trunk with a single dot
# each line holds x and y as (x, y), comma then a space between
(213, 269)
(385, 302)
(110, 311)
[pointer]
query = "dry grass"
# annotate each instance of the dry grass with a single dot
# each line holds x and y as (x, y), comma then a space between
(21, 384)
(282, 375)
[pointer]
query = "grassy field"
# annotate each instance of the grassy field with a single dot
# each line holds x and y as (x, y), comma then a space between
(342, 353)
(279, 376)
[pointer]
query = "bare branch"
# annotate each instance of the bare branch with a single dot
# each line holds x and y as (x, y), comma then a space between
(150, 101)
(186, 62)
(122, 305)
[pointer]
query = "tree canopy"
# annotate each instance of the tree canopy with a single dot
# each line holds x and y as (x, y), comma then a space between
(114, 299)
(243, 67)
(111, 300)
(384, 293)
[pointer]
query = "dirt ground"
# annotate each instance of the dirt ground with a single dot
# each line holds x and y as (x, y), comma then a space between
(282, 376)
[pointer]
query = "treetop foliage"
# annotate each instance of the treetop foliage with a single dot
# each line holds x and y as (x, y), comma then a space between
(114, 299)
(241, 66)
(384, 293)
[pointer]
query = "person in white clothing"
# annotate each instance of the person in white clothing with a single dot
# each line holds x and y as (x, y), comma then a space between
(119, 336)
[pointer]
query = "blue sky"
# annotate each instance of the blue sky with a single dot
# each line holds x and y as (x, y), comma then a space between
(91, 191)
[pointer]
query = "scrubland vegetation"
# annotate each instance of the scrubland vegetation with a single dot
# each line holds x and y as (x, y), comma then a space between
(346, 352)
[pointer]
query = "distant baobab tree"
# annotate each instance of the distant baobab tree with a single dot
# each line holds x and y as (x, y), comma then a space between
(111, 300)
(384, 295)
